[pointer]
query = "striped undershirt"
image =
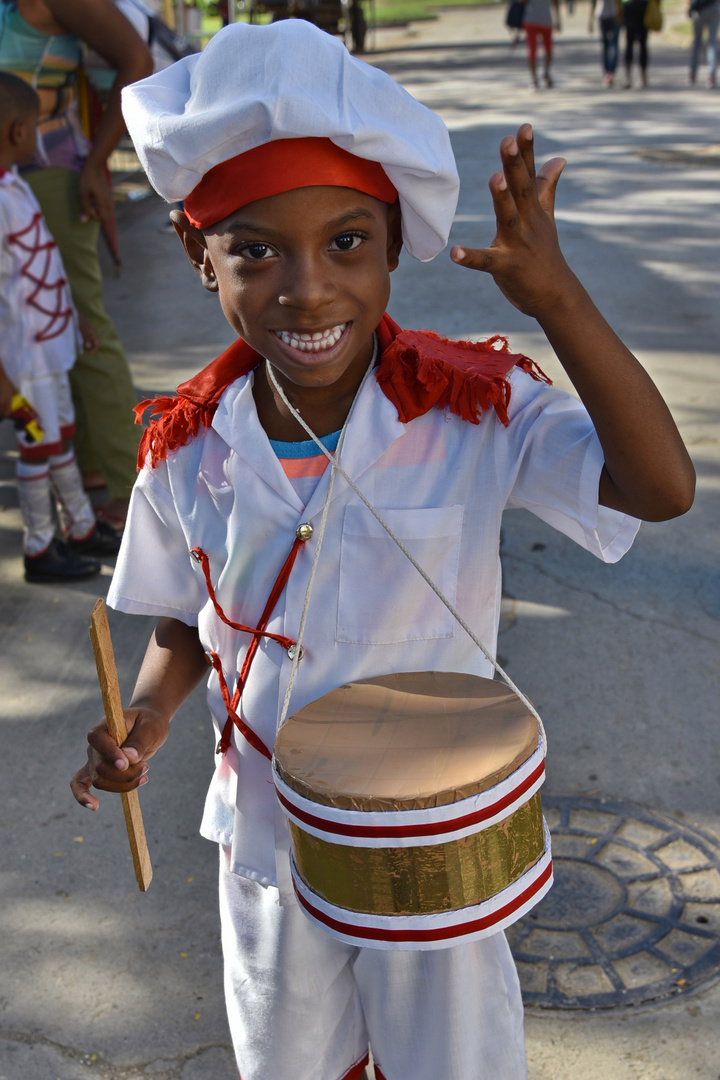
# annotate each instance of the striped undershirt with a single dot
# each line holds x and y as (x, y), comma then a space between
(304, 463)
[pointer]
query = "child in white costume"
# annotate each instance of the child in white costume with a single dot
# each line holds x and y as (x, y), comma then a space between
(297, 197)
(39, 340)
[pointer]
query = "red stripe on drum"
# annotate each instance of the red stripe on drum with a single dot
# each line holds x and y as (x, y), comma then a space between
(442, 933)
(429, 829)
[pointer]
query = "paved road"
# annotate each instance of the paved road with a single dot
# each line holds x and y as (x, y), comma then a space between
(100, 981)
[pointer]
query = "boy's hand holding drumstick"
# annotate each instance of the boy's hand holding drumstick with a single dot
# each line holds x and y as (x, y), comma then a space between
(174, 664)
(119, 768)
(648, 472)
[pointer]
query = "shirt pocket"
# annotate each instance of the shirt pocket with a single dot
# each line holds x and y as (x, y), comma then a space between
(383, 600)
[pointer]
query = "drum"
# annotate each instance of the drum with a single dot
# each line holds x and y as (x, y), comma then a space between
(414, 810)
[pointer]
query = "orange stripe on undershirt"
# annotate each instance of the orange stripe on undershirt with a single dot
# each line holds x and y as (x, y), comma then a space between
(295, 468)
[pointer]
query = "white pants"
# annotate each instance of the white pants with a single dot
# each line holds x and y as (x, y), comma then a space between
(303, 1006)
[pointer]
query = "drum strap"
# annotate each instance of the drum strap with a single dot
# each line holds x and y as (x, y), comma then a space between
(260, 631)
(337, 467)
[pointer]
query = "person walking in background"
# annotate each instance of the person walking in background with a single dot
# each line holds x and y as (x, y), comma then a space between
(633, 16)
(609, 23)
(540, 17)
(41, 41)
(705, 15)
(514, 20)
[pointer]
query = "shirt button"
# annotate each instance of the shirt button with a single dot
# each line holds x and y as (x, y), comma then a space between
(304, 531)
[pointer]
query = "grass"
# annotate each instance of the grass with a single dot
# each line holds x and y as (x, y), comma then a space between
(402, 11)
(386, 12)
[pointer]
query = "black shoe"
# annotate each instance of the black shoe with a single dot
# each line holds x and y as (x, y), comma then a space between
(102, 542)
(58, 564)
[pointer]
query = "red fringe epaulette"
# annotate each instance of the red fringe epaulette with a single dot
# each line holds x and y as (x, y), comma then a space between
(418, 371)
(174, 421)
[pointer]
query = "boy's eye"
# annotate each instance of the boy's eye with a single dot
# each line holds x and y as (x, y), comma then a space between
(257, 251)
(346, 242)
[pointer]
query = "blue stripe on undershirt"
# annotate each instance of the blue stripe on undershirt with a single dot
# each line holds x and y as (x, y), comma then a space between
(307, 448)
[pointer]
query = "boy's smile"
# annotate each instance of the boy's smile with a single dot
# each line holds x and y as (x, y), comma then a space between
(304, 278)
(318, 342)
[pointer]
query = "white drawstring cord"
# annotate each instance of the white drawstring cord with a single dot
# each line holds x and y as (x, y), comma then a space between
(337, 468)
(334, 460)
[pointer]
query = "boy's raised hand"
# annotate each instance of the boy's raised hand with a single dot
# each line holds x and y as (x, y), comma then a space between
(114, 768)
(647, 471)
(524, 259)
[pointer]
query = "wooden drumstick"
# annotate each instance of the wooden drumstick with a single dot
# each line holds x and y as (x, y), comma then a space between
(110, 688)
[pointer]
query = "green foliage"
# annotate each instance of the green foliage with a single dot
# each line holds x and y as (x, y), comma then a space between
(386, 12)
(400, 11)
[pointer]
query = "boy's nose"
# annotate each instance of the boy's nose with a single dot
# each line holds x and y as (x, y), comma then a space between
(309, 285)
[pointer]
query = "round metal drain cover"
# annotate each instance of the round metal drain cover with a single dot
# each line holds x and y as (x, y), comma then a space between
(634, 913)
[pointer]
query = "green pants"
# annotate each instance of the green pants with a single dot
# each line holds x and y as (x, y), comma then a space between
(103, 394)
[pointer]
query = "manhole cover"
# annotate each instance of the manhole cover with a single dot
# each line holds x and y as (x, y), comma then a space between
(634, 913)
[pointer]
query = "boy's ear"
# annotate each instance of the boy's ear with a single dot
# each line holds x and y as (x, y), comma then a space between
(193, 241)
(394, 235)
(16, 131)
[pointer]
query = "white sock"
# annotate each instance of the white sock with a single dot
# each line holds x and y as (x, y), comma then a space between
(77, 517)
(35, 506)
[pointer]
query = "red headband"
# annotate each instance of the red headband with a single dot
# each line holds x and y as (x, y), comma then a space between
(280, 166)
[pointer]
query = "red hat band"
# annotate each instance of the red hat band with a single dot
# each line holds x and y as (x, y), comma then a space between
(282, 165)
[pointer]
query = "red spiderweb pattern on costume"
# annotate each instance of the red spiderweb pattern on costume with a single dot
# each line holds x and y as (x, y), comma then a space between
(30, 240)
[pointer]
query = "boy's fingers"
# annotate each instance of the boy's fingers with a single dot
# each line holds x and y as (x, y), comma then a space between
(504, 206)
(547, 182)
(473, 258)
(148, 732)
(86, 779)
(525, 142)
(520, 180)
(120, 782)
(80, 786)
(106, 748)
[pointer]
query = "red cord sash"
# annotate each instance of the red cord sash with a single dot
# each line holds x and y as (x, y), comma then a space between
(260, 631)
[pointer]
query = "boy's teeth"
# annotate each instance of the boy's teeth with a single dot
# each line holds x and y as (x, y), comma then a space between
(312, 342)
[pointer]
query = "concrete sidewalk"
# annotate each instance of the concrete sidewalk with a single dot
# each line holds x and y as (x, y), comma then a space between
(100, 981)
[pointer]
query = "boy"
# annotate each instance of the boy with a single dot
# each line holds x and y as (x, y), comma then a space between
(39, 339)
(298, 237)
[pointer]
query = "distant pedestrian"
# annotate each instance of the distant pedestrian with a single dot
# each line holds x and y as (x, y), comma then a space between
(705, 15)
(514, 18)
(633, 15)
(540, 17)
(609, 17)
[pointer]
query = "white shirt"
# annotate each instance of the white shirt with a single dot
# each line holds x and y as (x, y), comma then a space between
(28, 310)
(440, 483)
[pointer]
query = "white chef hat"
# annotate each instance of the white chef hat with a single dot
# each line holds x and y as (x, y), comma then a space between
(301, 111)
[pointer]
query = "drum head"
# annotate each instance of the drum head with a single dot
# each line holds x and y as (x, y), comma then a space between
(406, 741)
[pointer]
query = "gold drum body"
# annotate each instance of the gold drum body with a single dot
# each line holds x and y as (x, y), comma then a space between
(414, 809)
